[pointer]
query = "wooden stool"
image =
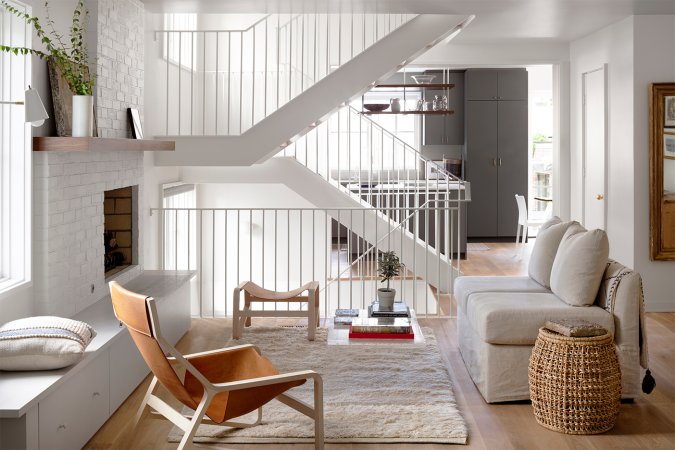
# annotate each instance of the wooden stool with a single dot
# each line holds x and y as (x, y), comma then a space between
(254, 293)
(575, 382)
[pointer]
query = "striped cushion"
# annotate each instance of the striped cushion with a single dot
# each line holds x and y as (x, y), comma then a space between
(43, 343)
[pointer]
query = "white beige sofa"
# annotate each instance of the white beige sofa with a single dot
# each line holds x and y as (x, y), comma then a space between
(499, 317)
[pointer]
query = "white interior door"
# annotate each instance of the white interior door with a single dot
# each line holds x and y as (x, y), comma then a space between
(594, 148)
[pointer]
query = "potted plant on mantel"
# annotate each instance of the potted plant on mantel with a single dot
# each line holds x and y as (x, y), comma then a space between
(388, 266)
(70, 58)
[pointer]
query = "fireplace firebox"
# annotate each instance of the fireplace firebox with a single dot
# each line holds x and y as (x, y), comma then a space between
(120, 229)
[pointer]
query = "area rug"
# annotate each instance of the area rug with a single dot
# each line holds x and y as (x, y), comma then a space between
(477, 247)
(383, 393)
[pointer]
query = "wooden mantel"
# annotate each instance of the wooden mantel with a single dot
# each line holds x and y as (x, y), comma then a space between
(84, 144)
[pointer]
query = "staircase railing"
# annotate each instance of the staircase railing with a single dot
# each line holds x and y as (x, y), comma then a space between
(373, 166)
(222, 82)
(283, 248)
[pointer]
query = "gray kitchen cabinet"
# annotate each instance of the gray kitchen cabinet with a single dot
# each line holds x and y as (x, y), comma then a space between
(446, 129)
(481, 167)
(496, 84)
(496, 149)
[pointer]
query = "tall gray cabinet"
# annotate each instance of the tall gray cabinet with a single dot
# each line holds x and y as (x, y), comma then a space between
(496, 164)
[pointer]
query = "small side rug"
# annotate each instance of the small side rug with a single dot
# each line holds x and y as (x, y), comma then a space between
(384, 393)
(477, 247)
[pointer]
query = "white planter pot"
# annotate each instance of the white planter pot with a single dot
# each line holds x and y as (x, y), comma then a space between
(83, 116)
(386, 297)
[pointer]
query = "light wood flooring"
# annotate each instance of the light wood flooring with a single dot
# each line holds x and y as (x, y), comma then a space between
(648, 423)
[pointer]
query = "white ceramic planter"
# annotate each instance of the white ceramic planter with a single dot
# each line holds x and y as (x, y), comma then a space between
(385, 298)
(83, 116)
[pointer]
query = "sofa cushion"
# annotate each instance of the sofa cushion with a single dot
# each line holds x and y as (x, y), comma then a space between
(545, 249)
(515, 318)
(579, 264)
(43, 343)
(465, 286)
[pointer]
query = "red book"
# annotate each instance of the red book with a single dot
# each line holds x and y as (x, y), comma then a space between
(353, 335)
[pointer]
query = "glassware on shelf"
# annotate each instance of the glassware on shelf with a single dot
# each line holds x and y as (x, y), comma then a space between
(420, 105)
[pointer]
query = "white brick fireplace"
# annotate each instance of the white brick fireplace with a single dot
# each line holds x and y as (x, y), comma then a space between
(68, 189)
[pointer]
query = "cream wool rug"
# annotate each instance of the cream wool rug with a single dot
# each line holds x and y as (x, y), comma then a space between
(382, 393)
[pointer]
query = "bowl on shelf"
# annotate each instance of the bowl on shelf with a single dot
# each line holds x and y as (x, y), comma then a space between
(375, 107)
(423, 79)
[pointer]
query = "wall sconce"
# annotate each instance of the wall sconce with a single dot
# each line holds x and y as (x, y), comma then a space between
(35, 110)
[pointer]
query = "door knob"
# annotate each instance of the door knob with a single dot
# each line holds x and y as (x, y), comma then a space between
(599, 197)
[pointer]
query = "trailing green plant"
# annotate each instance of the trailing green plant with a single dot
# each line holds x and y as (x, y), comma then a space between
(71, 58)
(388, 267)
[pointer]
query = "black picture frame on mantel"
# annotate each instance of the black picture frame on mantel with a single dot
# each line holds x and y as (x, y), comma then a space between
(135, 121)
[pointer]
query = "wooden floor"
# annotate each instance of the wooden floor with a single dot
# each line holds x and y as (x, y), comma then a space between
(647, 423)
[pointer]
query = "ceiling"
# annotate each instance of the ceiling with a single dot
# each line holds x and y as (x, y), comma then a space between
(550, 20)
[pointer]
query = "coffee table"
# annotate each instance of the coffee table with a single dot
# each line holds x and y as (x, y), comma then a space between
(339, 335)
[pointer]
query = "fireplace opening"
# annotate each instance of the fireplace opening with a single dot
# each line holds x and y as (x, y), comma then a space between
(120, 229)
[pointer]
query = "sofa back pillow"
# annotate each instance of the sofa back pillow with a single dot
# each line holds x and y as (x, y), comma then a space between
(545, 248)
(579, 264)
(43, 343)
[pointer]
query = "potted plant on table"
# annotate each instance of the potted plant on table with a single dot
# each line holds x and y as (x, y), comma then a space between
(388, 266)
(69, 56)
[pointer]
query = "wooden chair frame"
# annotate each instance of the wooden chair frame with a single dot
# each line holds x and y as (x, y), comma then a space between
(254, 293)
(189, 424)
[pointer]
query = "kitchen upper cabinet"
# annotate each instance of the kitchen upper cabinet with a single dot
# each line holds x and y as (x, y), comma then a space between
(496, 84)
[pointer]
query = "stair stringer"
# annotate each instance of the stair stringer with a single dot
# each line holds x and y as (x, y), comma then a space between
(313, 188)
(300, 114)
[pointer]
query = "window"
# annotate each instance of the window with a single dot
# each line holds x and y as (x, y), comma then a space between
(15, 155)
(179, 47)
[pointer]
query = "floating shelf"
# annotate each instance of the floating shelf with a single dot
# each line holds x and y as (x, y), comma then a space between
(85, 144)
(425, 86)
(439, 113)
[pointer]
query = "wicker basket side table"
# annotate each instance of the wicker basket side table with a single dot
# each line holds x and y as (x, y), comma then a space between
(575, 382)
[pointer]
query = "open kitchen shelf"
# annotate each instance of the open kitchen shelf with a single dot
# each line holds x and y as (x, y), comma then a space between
(413, 85)
(426, 113)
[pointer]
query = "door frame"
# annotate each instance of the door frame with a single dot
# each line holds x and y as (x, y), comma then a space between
(583, 142)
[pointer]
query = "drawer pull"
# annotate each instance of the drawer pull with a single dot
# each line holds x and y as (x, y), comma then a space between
(96, 394)
(61, 427)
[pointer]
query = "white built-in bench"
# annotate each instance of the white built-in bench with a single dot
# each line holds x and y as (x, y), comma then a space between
(63, 409)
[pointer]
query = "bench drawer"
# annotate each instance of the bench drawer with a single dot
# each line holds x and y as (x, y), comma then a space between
(127, 369)
(71, 415)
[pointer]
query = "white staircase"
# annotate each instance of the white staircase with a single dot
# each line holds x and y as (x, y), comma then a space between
(307, 103)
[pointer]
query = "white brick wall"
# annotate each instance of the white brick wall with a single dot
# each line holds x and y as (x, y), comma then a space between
(119, 82)
(69, 225)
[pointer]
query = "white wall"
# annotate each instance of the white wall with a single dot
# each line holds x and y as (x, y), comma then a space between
(654, 62)
(613, 46)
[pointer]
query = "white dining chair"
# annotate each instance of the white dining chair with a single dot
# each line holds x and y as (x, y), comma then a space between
(524, 221)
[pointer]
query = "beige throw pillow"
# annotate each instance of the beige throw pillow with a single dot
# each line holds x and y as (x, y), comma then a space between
(545, 248)
(579, 264)
(43, 343)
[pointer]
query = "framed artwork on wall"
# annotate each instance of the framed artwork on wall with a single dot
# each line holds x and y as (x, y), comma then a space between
(669, 144)
(669, 111)
(135, 121)
(661, 161)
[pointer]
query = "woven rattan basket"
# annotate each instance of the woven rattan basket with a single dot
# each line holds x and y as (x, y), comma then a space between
(575, 382)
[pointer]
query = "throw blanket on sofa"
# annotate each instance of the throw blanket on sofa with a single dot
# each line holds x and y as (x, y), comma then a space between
(614, 273)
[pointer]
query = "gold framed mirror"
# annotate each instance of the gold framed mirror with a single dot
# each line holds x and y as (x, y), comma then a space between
(662, 171)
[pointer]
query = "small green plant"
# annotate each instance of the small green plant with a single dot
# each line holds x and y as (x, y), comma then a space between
(71, 59)
(388, 266)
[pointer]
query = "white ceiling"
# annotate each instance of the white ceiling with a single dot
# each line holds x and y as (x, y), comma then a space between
(496, 20)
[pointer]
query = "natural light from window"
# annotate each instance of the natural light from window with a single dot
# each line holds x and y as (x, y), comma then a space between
(15, 155)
